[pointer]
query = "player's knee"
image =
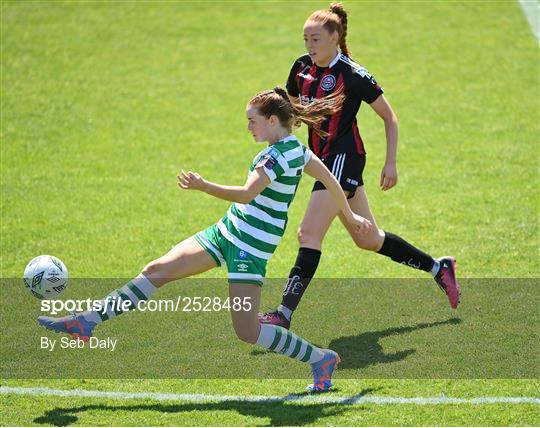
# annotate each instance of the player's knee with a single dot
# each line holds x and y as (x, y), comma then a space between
(246, 335)
(306, 235)
(154, 269)
(367, 245)
(371, 242)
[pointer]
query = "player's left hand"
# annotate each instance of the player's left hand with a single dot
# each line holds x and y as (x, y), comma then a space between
(389, 176)
(190, 180)
(362, 225)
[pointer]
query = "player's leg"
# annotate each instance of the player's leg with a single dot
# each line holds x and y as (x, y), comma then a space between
(246, 274)
(185, 259)
(373, 240)
(246, 298)
(319, 215)
(277, 339)
(401, 251)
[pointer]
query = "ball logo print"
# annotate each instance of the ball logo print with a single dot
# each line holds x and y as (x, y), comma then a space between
(45, 277)
(53, 278)
(36, 280)
(328, 82)
(57, 263)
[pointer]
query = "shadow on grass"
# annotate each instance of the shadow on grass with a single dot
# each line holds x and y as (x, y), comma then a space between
(364, 349)
(280, 413)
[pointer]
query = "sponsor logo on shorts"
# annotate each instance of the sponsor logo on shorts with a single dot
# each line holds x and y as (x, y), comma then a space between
(351, 181)
(243, 258)
(242, 267)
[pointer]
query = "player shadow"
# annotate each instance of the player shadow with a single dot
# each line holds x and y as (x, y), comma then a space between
(364, 349)
(280, 412)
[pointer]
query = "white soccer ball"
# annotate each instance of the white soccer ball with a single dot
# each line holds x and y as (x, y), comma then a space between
(46, 277)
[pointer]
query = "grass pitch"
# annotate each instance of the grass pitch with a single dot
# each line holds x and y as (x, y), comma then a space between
(102, 104)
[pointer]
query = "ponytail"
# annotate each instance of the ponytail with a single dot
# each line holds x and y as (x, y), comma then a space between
(339, 10)
(291, 114)
(282, 93)
(334, 19)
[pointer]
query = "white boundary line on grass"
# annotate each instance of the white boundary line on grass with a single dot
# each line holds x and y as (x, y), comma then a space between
(531, 9)
(324, 398)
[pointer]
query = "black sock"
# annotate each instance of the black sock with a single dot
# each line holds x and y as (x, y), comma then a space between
(300, 276)
(402, 252)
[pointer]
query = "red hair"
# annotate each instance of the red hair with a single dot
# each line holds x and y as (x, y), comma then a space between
(334, 19)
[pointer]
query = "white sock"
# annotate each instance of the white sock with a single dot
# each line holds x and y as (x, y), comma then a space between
(139, 288)
(285, 311)
(436, 265)
(285, 342)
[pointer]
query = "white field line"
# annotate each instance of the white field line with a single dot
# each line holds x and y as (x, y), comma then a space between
(531, 8)
(322, 398)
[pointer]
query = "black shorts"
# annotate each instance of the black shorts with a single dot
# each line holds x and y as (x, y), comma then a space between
(347, 168)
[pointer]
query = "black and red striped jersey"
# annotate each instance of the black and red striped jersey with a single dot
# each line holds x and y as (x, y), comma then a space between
(308, 82)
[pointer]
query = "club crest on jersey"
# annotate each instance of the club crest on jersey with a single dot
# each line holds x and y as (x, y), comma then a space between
(328, 82)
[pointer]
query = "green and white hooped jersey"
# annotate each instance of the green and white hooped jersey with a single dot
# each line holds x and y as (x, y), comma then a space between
(257, 227)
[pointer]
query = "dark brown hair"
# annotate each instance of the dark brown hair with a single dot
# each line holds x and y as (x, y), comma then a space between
(290, 114)
(334, 19)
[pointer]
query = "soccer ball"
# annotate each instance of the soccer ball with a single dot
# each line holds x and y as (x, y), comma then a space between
(46, 277)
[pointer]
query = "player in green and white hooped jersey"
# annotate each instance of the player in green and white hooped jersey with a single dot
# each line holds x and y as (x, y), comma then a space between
(247, 235)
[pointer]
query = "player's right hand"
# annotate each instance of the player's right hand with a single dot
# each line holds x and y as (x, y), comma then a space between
(190, 180)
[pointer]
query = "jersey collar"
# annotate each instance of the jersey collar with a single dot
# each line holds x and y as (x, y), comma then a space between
(332, 63)
(287, 138)
(335, 60)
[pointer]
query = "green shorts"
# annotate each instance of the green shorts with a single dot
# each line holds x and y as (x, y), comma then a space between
(242, 267)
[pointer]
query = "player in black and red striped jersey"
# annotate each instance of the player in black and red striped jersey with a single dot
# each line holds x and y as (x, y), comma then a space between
(309, 81)
(322, 71)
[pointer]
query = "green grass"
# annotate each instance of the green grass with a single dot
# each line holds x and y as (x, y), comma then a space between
(375, 337)
(76, 411)
(101, 105)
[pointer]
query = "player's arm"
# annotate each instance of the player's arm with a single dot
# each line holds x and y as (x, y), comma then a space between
(389, 175)
(254, 185)
(320, 172)
(366, 88)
